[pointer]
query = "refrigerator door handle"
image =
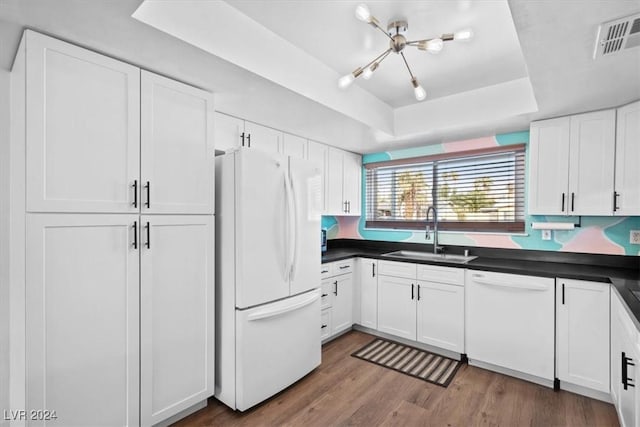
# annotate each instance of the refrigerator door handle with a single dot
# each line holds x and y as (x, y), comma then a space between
(272, 312)
(294, 228)
(290, 226)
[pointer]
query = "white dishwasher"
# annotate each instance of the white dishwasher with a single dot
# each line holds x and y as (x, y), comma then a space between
(510, 324)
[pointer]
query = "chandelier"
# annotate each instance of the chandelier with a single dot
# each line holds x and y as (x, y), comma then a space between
(396, 32)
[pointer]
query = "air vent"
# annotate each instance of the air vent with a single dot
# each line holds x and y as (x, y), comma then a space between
(616, 36)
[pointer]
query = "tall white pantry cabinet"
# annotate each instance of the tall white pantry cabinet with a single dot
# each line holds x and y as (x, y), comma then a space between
(111, 239)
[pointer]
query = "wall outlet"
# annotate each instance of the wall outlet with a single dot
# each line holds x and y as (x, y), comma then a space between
(634, 237)
(546, 234)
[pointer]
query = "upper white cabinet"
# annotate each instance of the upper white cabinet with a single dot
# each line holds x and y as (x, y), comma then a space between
(83, 121)
(627, 179)
(82, 322)
(572, 165)
(228, 132)
(177, 162)
(582, 333)
(344, 179)
(294, 146)
(262, 138)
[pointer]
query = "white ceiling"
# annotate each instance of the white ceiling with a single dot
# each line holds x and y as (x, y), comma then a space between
(538, 59)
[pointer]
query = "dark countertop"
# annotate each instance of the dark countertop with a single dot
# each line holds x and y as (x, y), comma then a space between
(622, 272)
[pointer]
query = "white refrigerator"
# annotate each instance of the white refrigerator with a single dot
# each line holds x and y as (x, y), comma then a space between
(267, 274)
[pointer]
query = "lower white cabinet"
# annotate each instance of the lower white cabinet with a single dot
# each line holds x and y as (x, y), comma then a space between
(337, 298)
(82, 319)
(625, 364)
(367, 272)
(582, 333)
(426, 305)
(176, 314)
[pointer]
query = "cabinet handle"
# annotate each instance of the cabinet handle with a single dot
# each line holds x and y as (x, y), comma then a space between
(412, 295)
(345, 207)
(373, 269)
(615, 200)
(342, 267)
(562, 202)
(148, 242)
(242, 136)
(135, 235)
(249, 140)
(147, 186)
(323, 326)
(626, 361)
(336, 285)
(324, 295)
(563, 294)
(418, 298)
(573, 199)
(135, 193)
(324, 271)
(348, 206)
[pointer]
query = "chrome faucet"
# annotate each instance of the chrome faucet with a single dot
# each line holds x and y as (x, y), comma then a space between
(427, 229)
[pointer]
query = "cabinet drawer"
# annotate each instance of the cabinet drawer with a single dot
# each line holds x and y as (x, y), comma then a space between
(325, 270)
(397, 269)
(325, 323)
(325, 300)
(438, 274)
(342, 267)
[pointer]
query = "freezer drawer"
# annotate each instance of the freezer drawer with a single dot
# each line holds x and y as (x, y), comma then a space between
(268, 359)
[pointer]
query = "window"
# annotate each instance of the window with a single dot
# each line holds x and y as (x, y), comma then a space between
(477, 191)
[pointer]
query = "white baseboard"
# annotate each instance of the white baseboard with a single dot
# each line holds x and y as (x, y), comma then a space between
(584, 391)
(510, 372)
(182, 414)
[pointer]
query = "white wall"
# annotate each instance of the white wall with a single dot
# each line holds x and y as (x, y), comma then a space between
(4, 243)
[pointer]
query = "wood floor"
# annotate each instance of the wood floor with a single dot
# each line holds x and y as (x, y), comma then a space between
(349, 391)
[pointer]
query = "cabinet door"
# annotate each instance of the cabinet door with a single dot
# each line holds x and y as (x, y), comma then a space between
(228, 132)
(82, 340)
(592, 150)
(549, 167)
(352, 182)
(397, 306)
(319, 153)
(176, 314)
(325, 325)
(294, 146)
(177, 147)
(369, 293)
(582, 347)
(616, 350)
(83, 138)
(262, 138)
(335, 203)
(440, 315)
(342, 304)
(627, 180)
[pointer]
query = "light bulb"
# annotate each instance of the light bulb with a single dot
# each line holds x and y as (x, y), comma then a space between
(367, 73)
(345, 81)
(418, 90)
(363, 13)
(434, 45)
(465, 34)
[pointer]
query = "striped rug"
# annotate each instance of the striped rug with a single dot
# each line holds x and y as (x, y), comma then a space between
(411, 361)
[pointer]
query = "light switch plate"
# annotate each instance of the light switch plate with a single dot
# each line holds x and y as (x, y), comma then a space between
(634, 237)
(546, 234)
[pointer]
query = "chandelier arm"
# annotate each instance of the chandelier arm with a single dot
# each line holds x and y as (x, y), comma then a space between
(407, 64)
(377, 25)
(382, 55)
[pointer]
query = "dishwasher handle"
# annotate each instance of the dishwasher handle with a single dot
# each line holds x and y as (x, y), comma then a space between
(480, 279)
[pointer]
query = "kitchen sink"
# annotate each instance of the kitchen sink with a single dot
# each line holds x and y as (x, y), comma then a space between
(429, 256)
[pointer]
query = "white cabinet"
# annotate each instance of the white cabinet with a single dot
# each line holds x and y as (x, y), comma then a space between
(176, 314)
(423, 303)
(262, 137)
(294, 146)
(344, 179)
(627, 179)
(82, 324)
(368, 292)
(177, 159)
(319, 153)
(582, 333)
(625, 363)
(397, 306)
(228, 132)
(83, 139)
(572, 165)
(440, 307)
(337, 298)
